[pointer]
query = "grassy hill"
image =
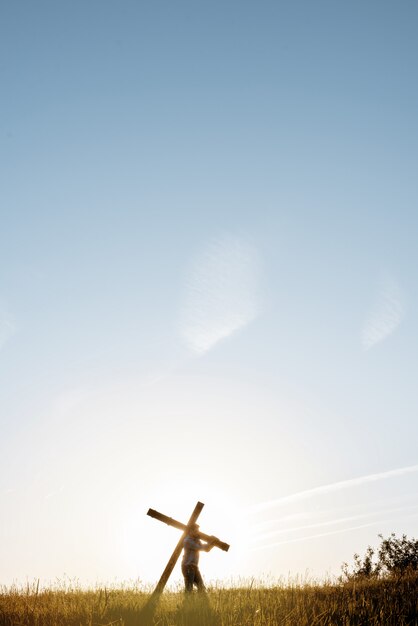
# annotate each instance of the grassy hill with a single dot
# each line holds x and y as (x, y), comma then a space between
(379, 602)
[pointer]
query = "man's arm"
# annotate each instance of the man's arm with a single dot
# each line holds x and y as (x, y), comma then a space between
(210, 544)
(196, 544)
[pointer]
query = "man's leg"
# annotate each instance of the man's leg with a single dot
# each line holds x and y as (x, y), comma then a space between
(189, 577)
(198, 580)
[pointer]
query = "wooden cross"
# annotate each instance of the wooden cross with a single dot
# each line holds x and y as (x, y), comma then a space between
(185, 528)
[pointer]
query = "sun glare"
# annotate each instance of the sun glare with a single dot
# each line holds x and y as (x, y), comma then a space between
(147, 543)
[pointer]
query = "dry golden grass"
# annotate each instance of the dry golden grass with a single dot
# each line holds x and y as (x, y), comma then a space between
(368, 603)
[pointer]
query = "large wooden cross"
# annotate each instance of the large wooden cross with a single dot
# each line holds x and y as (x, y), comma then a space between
(185, 528)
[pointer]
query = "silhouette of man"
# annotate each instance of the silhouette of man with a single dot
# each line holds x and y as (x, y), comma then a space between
(190, 563)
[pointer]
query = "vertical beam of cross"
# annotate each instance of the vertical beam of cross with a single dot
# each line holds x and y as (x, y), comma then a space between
(177, 551)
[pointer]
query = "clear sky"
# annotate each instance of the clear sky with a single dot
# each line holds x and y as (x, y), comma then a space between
(208, 283)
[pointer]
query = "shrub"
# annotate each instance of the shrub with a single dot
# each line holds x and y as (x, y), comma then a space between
(398, 556)
(394, 557)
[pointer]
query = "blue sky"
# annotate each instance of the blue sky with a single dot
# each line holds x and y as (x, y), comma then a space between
(208, 281)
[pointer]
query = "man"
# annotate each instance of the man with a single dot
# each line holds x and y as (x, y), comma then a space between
(190, 563)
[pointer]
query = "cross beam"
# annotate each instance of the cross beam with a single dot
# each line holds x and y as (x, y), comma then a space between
(185, 528)
(172, 522)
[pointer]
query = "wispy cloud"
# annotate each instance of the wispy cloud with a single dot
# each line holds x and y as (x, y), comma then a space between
(386, 315)
(337, 486)
(7, 328)
(221, 293)
(332, 522)
(331, 532)
(284, 531)
(54, 493)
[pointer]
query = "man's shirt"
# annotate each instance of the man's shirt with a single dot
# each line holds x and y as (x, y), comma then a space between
(192, 547)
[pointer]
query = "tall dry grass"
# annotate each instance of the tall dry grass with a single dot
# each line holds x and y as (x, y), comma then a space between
(386, 602)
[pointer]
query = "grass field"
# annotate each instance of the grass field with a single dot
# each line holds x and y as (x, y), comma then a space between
(383, 602)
